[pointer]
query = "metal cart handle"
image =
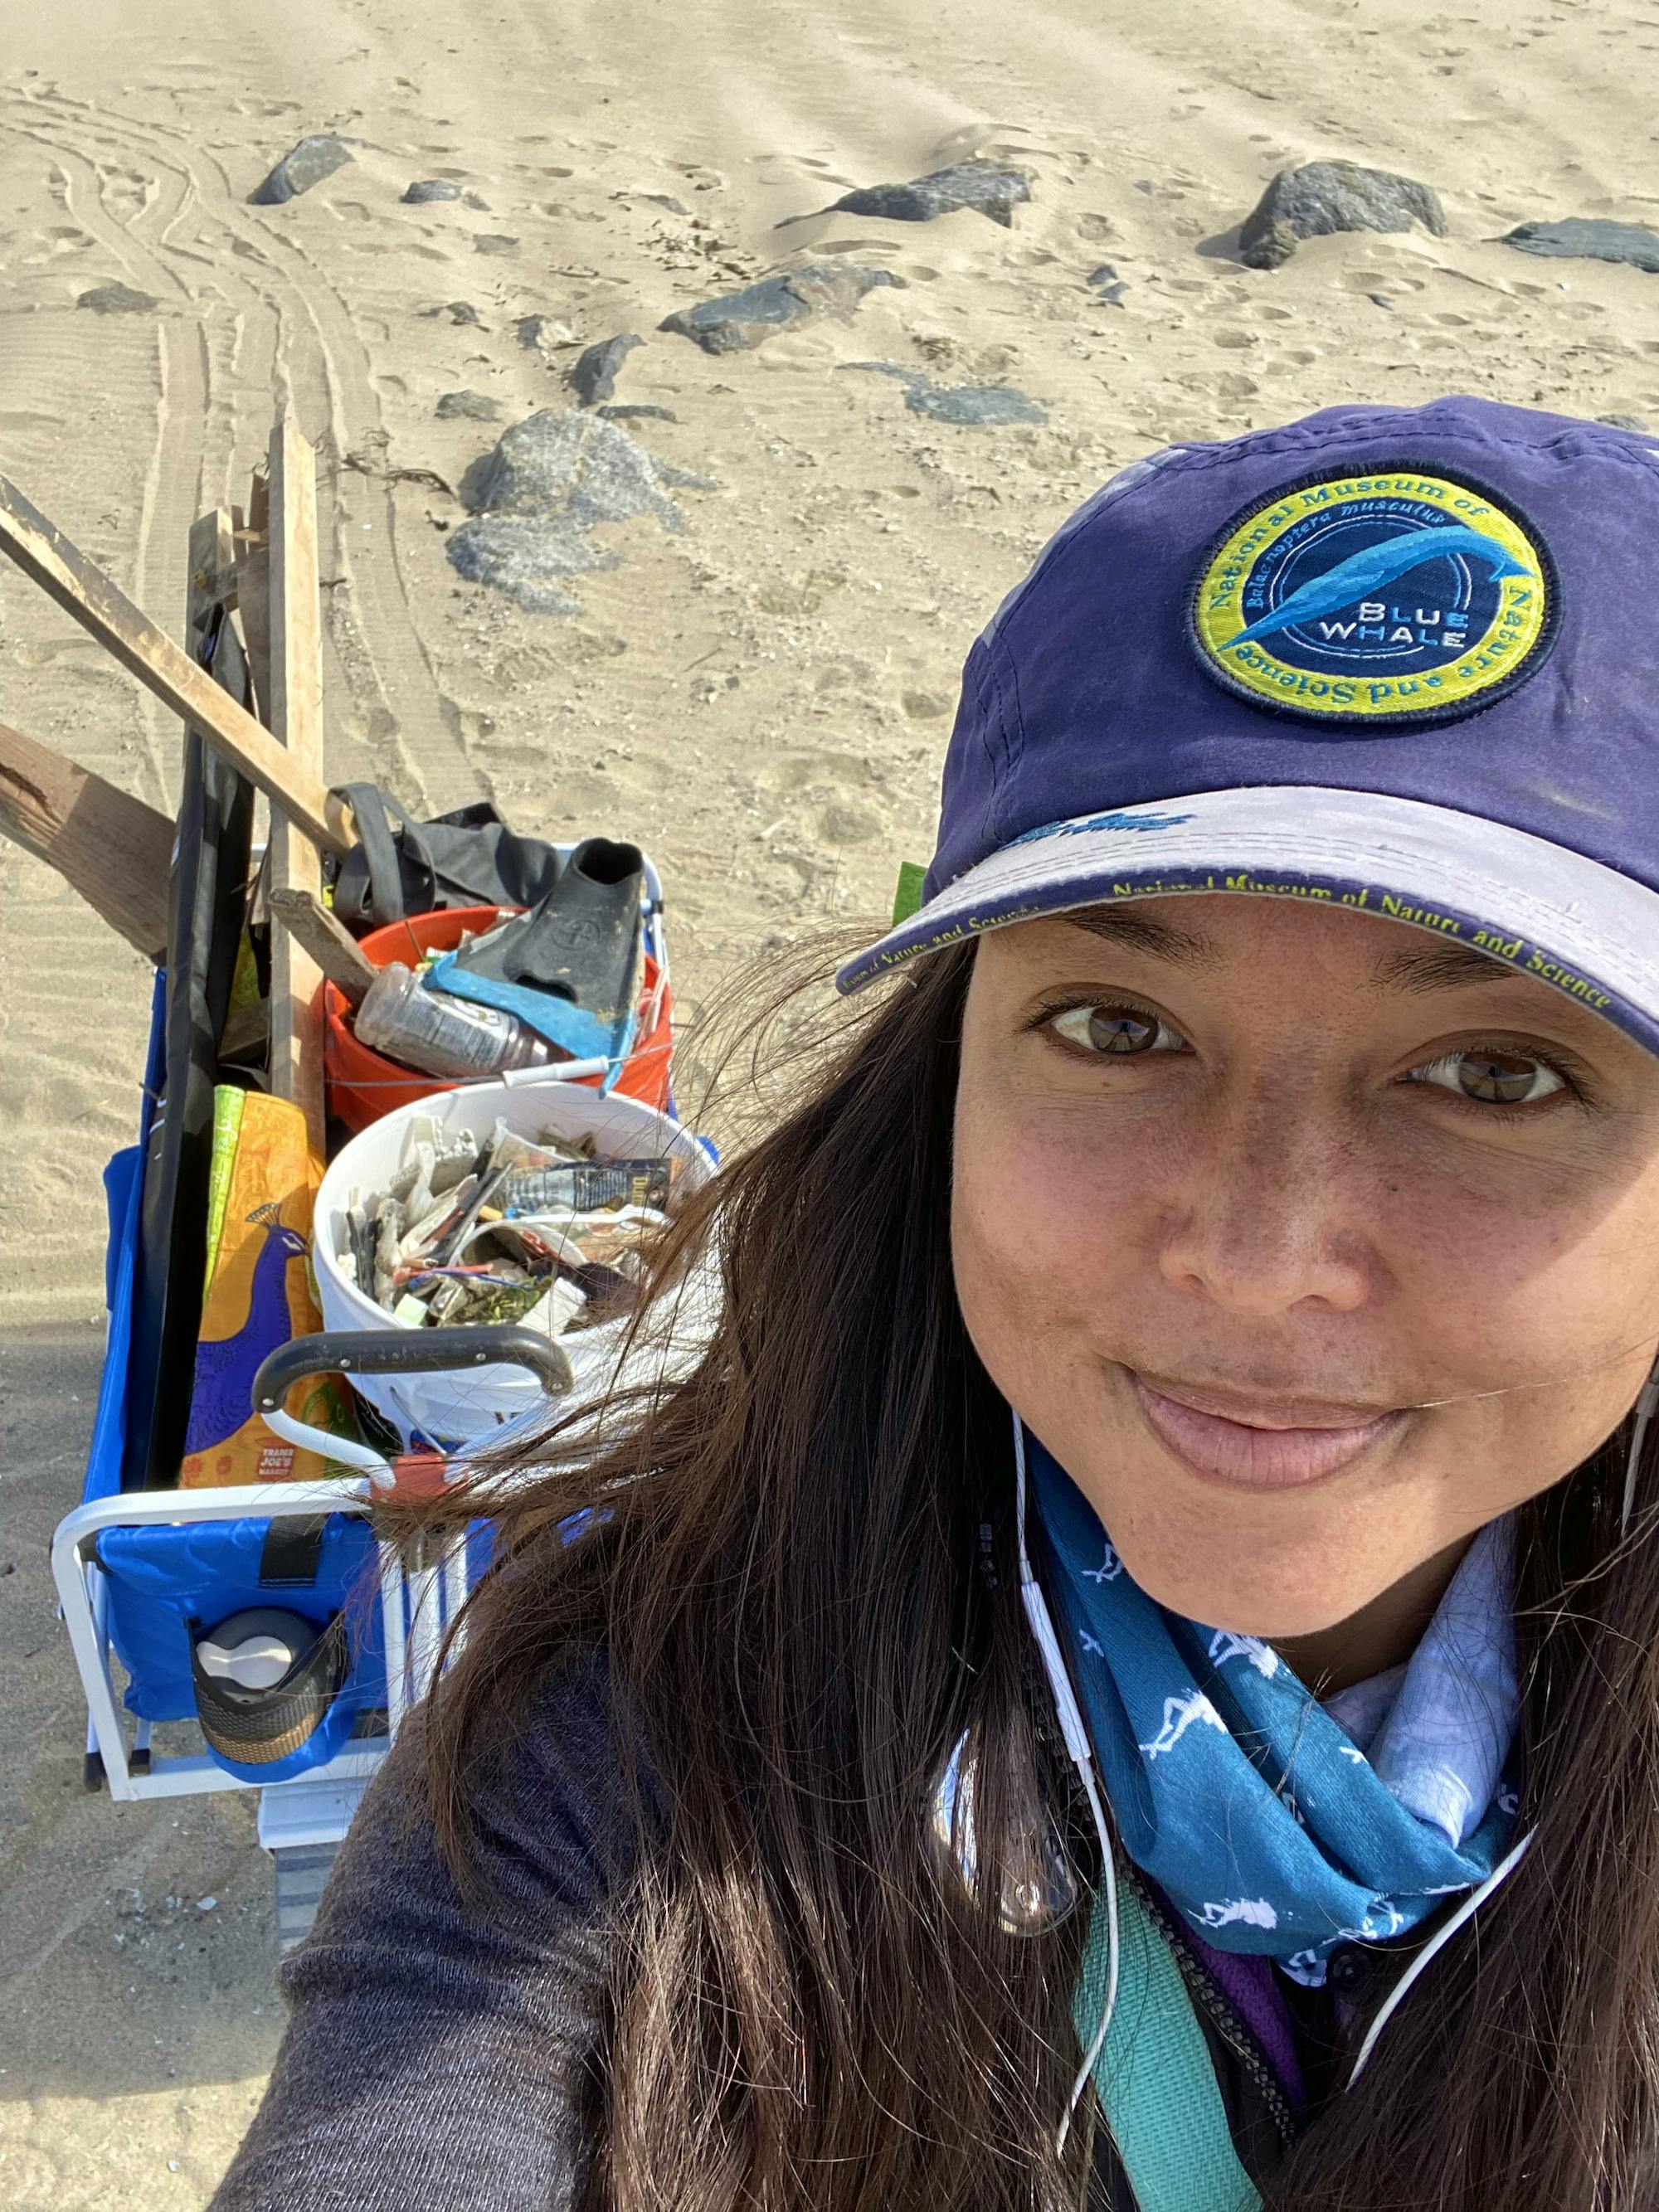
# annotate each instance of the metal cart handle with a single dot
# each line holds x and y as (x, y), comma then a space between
(394, 1351)
(398, 1352)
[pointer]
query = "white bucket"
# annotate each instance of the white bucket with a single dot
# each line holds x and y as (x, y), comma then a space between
(448, 1411)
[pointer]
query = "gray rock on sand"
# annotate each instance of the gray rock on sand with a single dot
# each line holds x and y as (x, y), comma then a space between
(737, 320)
(1107, 285)
(426, 189)
(309, 162)
(459, 311)
(593, 375)
(1323, 196)
(116, 300)
(564, 459)
(550, 481)
(987, 405)
(1580, 239)
(994, 190)
(474, 406)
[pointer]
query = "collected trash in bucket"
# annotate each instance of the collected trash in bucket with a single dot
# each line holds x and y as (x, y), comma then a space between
(509, 1229)
(239, 1607)
(533, 1201)
(368, 1078)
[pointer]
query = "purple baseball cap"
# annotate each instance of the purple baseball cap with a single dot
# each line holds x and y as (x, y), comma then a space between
(1400, 660)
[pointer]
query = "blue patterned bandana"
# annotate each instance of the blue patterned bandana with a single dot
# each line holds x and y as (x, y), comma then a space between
(1255, 1810)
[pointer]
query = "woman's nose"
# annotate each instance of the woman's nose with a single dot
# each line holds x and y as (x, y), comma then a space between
(1269, 1218)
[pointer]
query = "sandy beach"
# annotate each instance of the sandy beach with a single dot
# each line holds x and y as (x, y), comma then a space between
(758, 687)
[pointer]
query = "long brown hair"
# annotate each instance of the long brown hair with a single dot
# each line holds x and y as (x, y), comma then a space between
(795, 1558)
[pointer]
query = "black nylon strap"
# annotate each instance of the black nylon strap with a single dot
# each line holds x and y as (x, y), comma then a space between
(292, 1553)
(386, 884)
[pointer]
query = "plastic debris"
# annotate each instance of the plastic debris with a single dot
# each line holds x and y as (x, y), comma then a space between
(542, 1231)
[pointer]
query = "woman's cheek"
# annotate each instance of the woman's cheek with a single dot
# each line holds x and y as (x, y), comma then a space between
(1049, 1225)
(1497, 1278)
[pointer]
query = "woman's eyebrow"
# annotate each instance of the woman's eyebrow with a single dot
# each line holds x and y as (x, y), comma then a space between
(1160, 938)
(1438, 968)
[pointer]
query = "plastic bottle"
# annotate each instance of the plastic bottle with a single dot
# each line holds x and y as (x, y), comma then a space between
(438, 1034)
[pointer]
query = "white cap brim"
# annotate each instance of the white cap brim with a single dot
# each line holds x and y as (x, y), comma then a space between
(1556, 915)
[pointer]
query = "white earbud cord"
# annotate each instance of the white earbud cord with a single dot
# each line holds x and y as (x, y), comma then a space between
(1471, 1904)
(1076, 1734)
(1073, 1729)
(1646, 1404)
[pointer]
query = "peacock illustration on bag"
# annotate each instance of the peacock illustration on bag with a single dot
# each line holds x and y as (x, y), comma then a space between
(259, 1295)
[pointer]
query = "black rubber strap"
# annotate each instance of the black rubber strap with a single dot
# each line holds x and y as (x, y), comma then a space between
(374, 834)
(291, 1552)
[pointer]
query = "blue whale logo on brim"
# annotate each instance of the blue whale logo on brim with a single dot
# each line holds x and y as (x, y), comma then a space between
(1364, 573)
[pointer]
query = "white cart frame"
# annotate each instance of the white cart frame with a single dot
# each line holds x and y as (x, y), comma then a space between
(302, 1821)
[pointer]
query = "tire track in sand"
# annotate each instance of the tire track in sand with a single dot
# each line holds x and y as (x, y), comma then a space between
(290, 318)
(171, 481)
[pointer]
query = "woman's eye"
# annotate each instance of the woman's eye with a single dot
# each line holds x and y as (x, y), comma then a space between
(1116, 1029)
(1494, 1079)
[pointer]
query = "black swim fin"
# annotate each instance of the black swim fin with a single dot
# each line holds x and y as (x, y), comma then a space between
(573, 966)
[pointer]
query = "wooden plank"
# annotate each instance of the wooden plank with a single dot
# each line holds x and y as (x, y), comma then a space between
(328, 942)
(84, 591)
(212, 580)
(296, 721)
(212, 577)
(110, 847)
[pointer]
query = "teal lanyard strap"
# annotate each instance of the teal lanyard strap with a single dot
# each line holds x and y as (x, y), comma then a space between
(1154, 2080)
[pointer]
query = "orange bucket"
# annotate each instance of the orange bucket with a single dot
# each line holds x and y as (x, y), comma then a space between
(362, 1084)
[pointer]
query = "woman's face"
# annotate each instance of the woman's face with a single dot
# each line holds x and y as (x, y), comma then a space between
(1307, 1242)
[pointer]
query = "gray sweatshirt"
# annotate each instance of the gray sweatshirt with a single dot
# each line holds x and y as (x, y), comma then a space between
(445, 2057)
(441, 2058)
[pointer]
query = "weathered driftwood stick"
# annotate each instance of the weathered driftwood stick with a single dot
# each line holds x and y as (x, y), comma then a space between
(292, 786)
(328, 942)
(296, 721)
(108, 846)
(212, 579)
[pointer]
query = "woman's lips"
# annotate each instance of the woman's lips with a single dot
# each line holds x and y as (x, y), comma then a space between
(1259, 1447)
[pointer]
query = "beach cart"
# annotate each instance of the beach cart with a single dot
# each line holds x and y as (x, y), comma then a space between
(232, 1633)
(149, 1578)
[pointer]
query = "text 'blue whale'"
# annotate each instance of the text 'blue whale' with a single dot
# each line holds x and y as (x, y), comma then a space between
(1366, 572)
